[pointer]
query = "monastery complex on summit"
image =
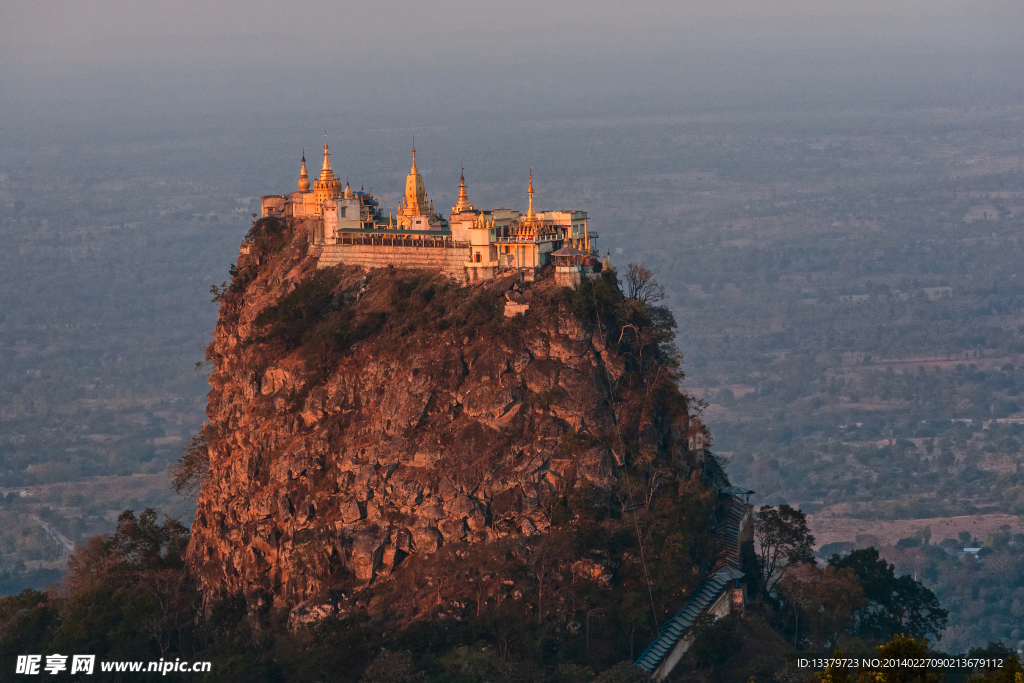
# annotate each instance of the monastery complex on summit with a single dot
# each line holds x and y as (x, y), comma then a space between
(350, 228)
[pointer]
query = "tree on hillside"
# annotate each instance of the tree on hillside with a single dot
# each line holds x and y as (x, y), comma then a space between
(392, 667)
(647, 332)
(715, 640)
(623, 672)
(190, 471)
(128, 593)
(901, 647)
(822, 602)
(26, 621)
(783, 540)
(641, 285)
(894, 604)
(1003, 664)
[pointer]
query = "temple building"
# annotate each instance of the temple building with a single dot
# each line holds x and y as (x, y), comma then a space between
(351, 228)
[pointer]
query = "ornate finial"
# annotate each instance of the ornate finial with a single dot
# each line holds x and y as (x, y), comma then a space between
(462, 204)
(327, 185)
(529, 191)
(303, 175)
(326, 172)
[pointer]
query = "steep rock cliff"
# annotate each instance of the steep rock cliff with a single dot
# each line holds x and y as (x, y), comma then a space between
(359, 421)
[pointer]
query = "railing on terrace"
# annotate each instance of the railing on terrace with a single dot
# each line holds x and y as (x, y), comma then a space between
(526, 239)
(429, 243)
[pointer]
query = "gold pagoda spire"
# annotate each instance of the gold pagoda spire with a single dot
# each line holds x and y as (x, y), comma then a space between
(414, 202)
(327, 186)
(303, 175)
(463, 202)
(326, 173)
(530, 192)
(348, 190)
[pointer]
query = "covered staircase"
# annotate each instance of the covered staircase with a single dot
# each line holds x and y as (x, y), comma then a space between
(665, 651)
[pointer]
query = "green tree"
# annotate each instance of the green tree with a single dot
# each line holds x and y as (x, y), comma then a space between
(839, 674)
(392, 667)
(1010, 671)
(715, 640)
(822, 602)
(894, 604)
(190, 471)
(901, 647)
(783, 540)
(26, 622)
(128, 593)
(623, 672)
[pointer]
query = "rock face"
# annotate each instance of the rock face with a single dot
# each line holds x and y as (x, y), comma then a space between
(329, 474)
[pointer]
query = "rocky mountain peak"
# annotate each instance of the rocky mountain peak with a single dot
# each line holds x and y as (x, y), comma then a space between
(362, 421)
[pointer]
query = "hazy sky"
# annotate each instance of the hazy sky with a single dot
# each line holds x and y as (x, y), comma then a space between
(524, 55)
(73, 34)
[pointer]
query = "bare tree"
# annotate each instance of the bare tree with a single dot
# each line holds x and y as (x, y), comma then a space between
(172, 611)
(543, 566)
(190, 472)
(641, 285)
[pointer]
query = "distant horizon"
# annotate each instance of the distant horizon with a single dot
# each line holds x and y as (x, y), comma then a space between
(400, 60)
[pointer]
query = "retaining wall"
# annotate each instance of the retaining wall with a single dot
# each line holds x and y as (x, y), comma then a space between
(449, 260)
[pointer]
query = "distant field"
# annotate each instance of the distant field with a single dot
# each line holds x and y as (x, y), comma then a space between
(827, 529)
(848, 287)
